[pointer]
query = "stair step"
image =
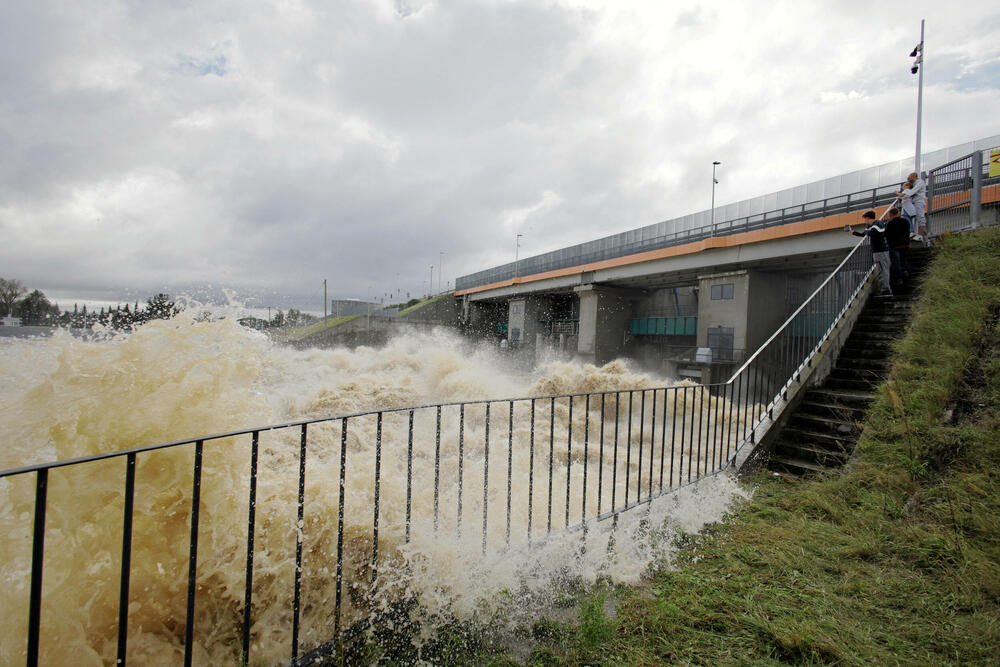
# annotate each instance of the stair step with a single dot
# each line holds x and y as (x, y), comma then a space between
(847, 398)
(813, 454)
(861, 351)
(833, 411)
(825, 440)
(865, 374)
(825, 424)
(862, 363)
(841, 383)
(796, 467)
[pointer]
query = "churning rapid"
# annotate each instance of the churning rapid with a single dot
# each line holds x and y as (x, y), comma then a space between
(62, 397)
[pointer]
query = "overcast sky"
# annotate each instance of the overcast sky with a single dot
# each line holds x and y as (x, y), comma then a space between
(158, 145)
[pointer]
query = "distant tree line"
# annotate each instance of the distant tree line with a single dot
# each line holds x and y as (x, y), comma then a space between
(293, 318)
(35, 309)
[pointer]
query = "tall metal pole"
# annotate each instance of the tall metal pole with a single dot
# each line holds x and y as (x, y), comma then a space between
(918, 69)
(324, 303)
(714, 182)
(517, 244)
(430, 285)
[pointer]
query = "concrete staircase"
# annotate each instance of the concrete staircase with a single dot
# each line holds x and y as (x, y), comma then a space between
(823, 430)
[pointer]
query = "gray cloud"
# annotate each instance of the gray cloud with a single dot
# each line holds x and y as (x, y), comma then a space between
(270, 146)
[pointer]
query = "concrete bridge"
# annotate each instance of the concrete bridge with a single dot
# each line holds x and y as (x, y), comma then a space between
(690, 300)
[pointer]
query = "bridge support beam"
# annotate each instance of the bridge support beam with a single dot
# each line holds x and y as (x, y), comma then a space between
(604, 313)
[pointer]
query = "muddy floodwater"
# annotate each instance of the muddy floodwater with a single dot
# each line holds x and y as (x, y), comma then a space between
(63, 397)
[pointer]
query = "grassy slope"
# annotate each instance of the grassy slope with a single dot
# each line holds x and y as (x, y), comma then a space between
(425, 302)
(288, 334)
(895, 562)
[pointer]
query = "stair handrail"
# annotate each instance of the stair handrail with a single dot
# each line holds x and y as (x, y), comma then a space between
(795, 314)
(810, 298)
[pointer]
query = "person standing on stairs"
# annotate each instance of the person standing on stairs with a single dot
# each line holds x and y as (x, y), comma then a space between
(880, 248)
(897, 234)
(914, 200)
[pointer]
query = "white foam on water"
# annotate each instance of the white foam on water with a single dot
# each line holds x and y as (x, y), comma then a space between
(62, 397)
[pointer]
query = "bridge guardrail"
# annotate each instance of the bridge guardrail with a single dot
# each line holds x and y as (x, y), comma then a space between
(575, 256)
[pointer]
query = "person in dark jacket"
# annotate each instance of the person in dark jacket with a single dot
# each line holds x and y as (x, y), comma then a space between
(880, 248)
(897, 234)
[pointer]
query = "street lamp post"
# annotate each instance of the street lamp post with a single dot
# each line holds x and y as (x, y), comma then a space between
(715, 182)
(918, 55)
(517, 244)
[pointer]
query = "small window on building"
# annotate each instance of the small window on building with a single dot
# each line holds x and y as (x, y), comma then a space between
(720, 339)
(723, 291)
(515, 309)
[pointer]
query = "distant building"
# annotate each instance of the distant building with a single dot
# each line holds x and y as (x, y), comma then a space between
(11, 321)
(347, 307)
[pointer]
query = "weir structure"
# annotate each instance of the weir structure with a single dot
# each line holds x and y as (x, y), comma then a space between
(676, 295)
(587, 458)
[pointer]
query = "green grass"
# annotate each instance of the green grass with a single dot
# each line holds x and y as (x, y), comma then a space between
(425, 302)
(897, 561)
(289, 334)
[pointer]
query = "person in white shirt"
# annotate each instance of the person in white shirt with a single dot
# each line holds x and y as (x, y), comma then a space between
(914, 203)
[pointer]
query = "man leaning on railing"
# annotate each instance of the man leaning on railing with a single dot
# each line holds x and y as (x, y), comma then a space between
(880, 247)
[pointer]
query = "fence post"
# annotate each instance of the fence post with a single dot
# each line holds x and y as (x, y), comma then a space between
(976, 195)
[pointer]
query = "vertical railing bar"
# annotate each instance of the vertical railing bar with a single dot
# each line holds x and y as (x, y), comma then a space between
(673, 439)
(126, 562)
(531, 470)
(663, 438)
(193, 554)
(552, 441)
(691, 443)
(409, 477)
(700, 397)
(37, 563)
(680, 462)
(652, 441)
(716, 440)
(569, 460)
(340, 531)
(614, 464)
(251, 530)
(299, 532)
(437, 467)
(461, 466)
(642, 436)
(586, 448)
(510, 464)
(730, 393)
(600, 459)
(486, 472)
(628, 448)
(378, 497)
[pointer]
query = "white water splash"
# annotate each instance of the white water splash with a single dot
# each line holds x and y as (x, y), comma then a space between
(62, 398)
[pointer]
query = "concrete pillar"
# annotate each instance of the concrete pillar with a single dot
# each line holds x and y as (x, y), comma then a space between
(604, 314)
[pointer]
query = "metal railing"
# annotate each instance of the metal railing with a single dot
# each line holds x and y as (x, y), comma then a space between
(954, 194)
(580, 255)
(390, 480)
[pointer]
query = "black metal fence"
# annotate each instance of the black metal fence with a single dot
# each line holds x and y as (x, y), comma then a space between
(281, 543)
